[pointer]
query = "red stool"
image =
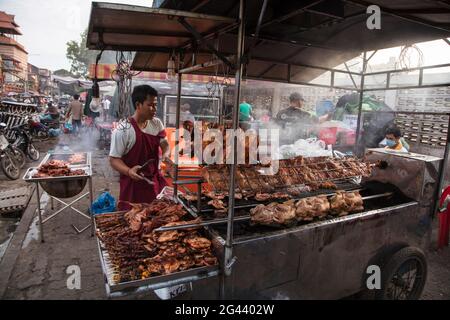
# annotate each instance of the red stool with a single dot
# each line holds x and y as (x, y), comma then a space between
(444, 220)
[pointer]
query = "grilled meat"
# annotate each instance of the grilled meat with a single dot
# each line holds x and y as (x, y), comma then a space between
(344, 203)
(291, 172)
(137, 251)
(327, 185)
(197, 242)
(309, 208)
(57, 168)
(218, 204)
(273, 214)
(262, 197)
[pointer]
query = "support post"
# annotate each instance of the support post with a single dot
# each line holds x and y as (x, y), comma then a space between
(361, 96)
(41, 227)
(228, 258)
(177, 131)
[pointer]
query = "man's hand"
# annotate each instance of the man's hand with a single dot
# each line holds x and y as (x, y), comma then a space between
(132, 173)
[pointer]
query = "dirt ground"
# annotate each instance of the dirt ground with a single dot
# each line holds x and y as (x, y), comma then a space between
(34, 270)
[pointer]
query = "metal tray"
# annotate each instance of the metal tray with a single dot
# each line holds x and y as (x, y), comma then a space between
(151, 283)
(28, 177)
(64, 156)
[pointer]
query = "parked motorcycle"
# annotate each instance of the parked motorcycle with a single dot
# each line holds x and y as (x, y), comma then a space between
(38, 130)
(24, 141)
(12, 159)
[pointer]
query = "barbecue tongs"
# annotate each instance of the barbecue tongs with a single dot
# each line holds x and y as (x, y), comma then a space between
(143, 167)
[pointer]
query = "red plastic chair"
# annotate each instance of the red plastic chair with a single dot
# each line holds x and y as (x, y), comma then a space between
(444, 220)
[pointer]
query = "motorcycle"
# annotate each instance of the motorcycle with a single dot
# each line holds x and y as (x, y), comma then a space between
(12, 159)
(38, 130)
(24, 142)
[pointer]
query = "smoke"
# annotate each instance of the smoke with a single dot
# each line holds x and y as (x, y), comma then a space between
(84, 142)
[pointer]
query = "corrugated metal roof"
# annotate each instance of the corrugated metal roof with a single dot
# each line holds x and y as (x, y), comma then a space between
(131, 28)
(323, 33)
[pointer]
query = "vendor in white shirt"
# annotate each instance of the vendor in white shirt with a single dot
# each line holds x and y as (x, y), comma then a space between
(134, 142)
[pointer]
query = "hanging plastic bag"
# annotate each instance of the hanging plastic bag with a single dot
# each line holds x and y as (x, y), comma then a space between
(68, 128)
(104, 203)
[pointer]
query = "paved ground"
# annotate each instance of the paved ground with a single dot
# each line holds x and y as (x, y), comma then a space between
(34, 270)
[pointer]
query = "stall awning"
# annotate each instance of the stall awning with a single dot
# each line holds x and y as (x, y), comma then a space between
(104, 72)
(282, 41)
(323, 33)
(136, 28)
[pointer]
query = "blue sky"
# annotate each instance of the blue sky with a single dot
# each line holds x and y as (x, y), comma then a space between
(47, 25)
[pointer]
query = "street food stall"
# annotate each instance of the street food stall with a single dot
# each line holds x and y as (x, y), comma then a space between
(311, 228)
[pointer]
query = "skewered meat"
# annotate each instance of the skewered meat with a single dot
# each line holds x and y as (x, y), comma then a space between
(218, 204)
(309, 208)
(262, 197)
(327, 185)
(273, 214)
(344, 203)
(215, 195)
(297, 191)
(291, 172)
(280, 195)
(137, 251)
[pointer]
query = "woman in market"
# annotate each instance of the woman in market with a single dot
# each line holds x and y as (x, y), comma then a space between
(135, 141)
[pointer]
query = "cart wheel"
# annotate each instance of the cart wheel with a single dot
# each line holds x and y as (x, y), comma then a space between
(403, 276)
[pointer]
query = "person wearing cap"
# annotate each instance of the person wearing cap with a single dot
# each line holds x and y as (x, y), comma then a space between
(296, 118)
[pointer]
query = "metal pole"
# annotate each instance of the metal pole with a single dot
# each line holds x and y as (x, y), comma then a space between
(41, 227)
(228, 258)
(177, 130)
(91, 199)
(361, 96)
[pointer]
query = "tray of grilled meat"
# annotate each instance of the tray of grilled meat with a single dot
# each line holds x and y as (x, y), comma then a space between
(297, 171)
(71, 158)
(215, 203)
(56, 170)
(134, 254)
(294, 179)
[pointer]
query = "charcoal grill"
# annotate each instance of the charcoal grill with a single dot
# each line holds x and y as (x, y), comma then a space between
(63, 187)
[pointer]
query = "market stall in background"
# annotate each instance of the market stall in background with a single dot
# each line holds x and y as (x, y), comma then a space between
(288, 227)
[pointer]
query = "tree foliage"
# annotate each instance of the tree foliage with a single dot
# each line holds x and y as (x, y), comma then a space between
(63, 73)
(80, 56)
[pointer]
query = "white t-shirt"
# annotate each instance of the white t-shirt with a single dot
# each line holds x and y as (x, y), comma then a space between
(124, 137)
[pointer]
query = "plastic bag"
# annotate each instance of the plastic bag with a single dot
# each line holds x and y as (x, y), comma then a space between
(68, 127)
(104, 203)
(54, 132)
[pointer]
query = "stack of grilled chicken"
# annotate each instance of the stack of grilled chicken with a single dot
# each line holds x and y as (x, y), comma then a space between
(307, 209)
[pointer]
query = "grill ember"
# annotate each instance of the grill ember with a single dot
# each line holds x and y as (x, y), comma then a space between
(314, 172)
(138, 252)
(57, 168)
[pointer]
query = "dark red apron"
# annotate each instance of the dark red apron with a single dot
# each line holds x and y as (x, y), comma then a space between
(146, 147)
